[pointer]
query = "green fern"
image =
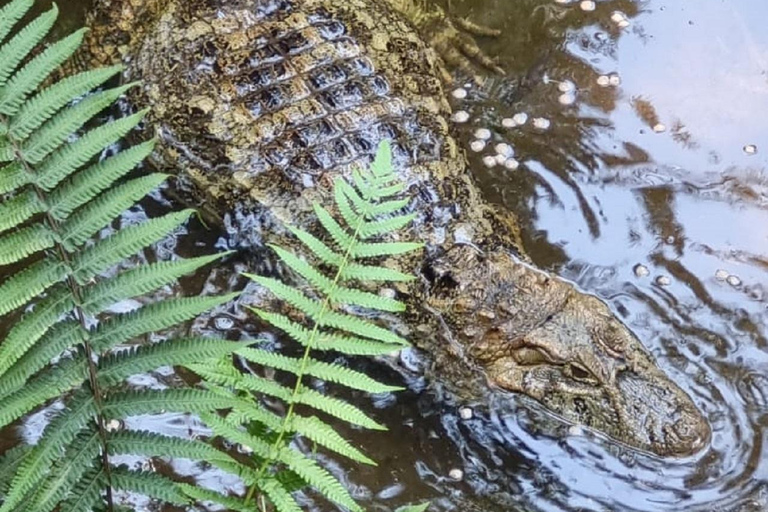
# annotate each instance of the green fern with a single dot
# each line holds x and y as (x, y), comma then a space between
(55, 198)
(368, 212)
(62, 346)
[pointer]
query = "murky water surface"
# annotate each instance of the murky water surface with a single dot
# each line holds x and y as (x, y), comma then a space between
(649, 188)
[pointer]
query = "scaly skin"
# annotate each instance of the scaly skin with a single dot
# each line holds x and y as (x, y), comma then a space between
(262, 103)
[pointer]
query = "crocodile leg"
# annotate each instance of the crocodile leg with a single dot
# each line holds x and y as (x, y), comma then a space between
(453, 38)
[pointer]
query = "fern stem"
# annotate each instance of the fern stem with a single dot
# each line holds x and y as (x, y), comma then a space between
(74, 287)
(308, 351)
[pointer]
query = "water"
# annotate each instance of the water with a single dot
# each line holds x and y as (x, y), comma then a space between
(599, 193)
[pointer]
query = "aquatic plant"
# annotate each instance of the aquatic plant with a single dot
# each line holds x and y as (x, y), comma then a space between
(368, 211)
(61, 187)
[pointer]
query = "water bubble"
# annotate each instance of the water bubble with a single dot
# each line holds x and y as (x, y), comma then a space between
(721, 275)
(466, 413)
(750, 149)
(223, 323)
(566, 86)
(623, 24)
(618, 16)
(614, 80)
(520, 118)
(483, 133)
(504, 149)
(733, 280)
(456, 474)
(388, 293)
(567, 99)
(541, 123)
(459, 93)
(489, 161)
(501, 159)
(508, 122)
(603, 81)
(663, 281)
(477, 145)
(460, 116)
(588, 5)
(641, 270)
(659, 127)
(511, 164)
(113, 425)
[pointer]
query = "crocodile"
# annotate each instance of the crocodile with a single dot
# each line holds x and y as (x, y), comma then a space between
(261, 104)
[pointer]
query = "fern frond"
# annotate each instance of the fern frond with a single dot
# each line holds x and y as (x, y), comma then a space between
(318, 369)
(66, 472)
(110, 251)
(73, 155)
(140, 280)
(56, 437)
(149, 484)
(9, 463)
(22, 243)
(19, 209)
(62, 379)
(15, 50)
(18, 289)
(33, 326)
(327, 340)
(12, 177)
(87, 184)
(54, 132)
(98, 213)
(133, 403)
(11, 13)
(87, 492)
(232, 503)
(153, 317)
(26, 80)
(117, 367)
(56, 341)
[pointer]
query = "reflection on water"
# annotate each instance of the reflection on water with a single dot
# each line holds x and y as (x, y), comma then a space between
(647, 169)
(654, 175)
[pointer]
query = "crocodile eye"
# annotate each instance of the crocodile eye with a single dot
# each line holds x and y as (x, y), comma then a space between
(581, 374)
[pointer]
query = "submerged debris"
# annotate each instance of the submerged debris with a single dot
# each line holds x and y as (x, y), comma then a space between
(466, 413)
(460, 116)
(750, 149)
(456, 474)
(641, 270)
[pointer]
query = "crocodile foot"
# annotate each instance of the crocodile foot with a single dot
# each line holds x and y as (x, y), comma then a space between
(453, 38)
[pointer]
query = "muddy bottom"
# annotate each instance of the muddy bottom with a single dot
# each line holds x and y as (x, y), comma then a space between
(642, 178)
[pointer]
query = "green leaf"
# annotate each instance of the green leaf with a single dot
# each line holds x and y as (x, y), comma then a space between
(32, 75)
(140, 280)
(24, 242)
(153, 317)
(318, 369)
(117, 367)
(87, 184)
(45, 104)
(102, 255)
(57, 130)
(27, 331)
(99, 213)
(72, 156)
(148, 484)
(15, 50)
(11, 13)
(18, 289)
(328, 340)
(87, 491)
(56, 437)
(19, 209)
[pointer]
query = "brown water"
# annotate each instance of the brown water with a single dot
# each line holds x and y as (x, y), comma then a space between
(598, 193)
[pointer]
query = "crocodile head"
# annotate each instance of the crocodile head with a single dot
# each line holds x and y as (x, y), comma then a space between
(538, 335)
